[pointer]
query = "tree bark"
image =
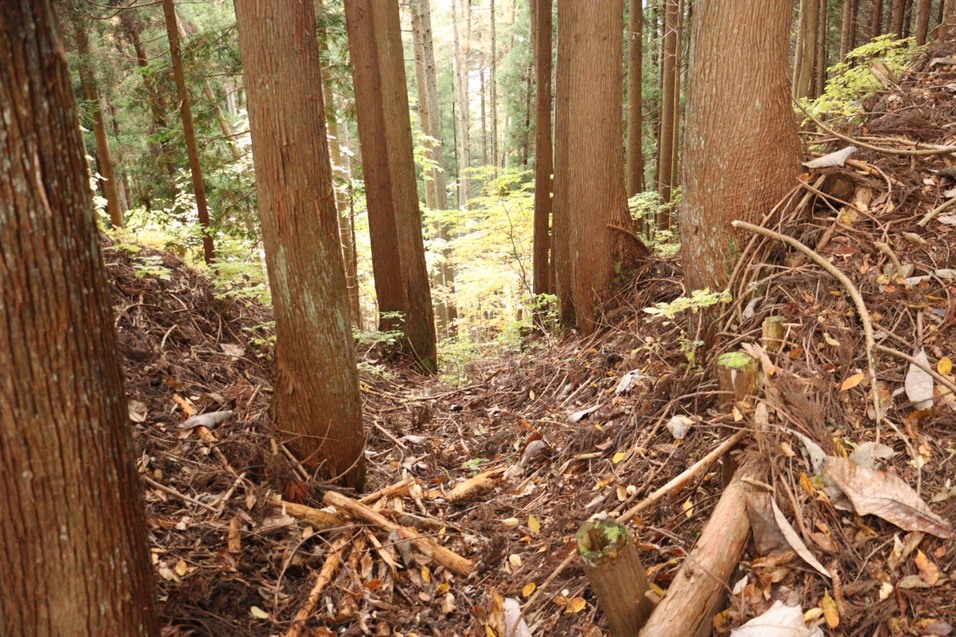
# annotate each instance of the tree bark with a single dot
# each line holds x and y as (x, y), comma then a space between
(737, 164)
(876, 18)
(804, 57)
(381, 98)
(462, 46)
(73, 531)
(91, 95)
(635, 126)
(848, 32)
(665, 176)
(494, 86)
(596, 208)
(561, 216)
(820, 58)
(317, 403)
(435, 181)
(897, 17)
(185, 111)
(922, 21)
(544, 156)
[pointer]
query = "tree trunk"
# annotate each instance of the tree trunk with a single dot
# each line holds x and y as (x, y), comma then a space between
(665, 177)
(848, 32)
(738, 163)
(561, 216)
(341, 181)
(494, 87)
(922, 21)
(544, 158)
(596, 208)
(91, 94)
(462, 46)
(678, 65)
(805, 54)
(192, 150)
(876, 19)
(160, 151)
(526, 142)
(422, 31)
(635, 126)
(820, 58)
(381, 100)
(317, 402)
(897, 17)
(484, 115)
(73, 531)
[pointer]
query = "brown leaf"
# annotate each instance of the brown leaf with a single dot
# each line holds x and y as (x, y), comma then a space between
(928, 571)
(886, 496)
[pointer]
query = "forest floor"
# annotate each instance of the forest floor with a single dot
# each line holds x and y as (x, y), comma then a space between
(583, 426)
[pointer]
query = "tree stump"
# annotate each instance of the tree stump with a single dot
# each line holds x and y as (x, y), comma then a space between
(616, 575)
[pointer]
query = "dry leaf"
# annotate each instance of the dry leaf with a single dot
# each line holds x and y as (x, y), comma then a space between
(886, 496)
(258, 613)
(780, 620)
(928, 571)
(793, 539)
(836, 158)
(534, 525)
(515, 625)
(886, 589)
(529, 588)
(944, 366)
(919, 384)
(620, 455)
(852, 381)
(678, 426)
(830, 612)
(448, 604)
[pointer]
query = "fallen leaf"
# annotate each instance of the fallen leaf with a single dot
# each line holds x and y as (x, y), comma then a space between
(944, 366)
(258, 613)
(534, 525)
(584, 413)
(137, 411)
(836, 158)
(830, 612)
(886, 589)
(678, 426)
(886, 496)
(793, 539)
(928, 571)
(515, 625)
(448, 604)
(529, 588)
(780, 620)
(620, 455)
(919, 384)
(852, 381)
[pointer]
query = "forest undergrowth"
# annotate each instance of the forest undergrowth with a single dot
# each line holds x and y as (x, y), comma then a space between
(577, 427)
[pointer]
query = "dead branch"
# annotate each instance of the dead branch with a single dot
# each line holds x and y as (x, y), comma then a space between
(331, 565)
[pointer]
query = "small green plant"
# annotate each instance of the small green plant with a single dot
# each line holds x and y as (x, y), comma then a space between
(644, 208)
(152, 266)
(473, 465)
(698, 300)
(263, 335)
(851, 80)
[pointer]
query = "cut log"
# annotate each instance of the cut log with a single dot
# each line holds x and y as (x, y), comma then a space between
(616, 575)
(773, 332)
(739, 376)
(697, 589)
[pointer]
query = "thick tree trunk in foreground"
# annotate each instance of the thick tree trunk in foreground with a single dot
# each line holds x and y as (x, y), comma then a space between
(317, 403)
(597, 208)
(381, 99)
(192, 150)
(72, 532)
(737, 163)
(91, 94)
(544, 157)
(635, 126)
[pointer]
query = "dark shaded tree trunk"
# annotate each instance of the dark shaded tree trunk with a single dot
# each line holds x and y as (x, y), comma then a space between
(849, 28)
(544, 156)
(73, 531)
(820, 59)
(635, 125)
(317, 403)
(189, 132)
(897, 17)
(91, 94)
(876, 18)
(381, 100)
(738, 163)
(602, 246)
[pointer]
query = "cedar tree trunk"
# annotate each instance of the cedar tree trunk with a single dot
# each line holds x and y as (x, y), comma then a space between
(737, 162)
(317, 403)
(72, 532)
(544, 158)
(635, 126)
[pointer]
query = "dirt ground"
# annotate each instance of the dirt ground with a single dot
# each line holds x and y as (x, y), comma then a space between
(576, 427)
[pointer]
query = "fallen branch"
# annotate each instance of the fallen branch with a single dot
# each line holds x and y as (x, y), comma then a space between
(851, 290)
(675, 483)
(176, 494)
(475, 484)
(331, 565)
(929, 216)
(443, 556)
(320, 519)
(208, 420)
(699, 584)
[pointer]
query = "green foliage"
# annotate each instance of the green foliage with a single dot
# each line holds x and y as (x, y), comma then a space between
(698, 300)
(644, 207)
(851, 80)
(152, 265)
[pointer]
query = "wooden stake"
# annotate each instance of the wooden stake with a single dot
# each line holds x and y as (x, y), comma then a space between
(616, 575)
(739, 376)
(773, 332)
